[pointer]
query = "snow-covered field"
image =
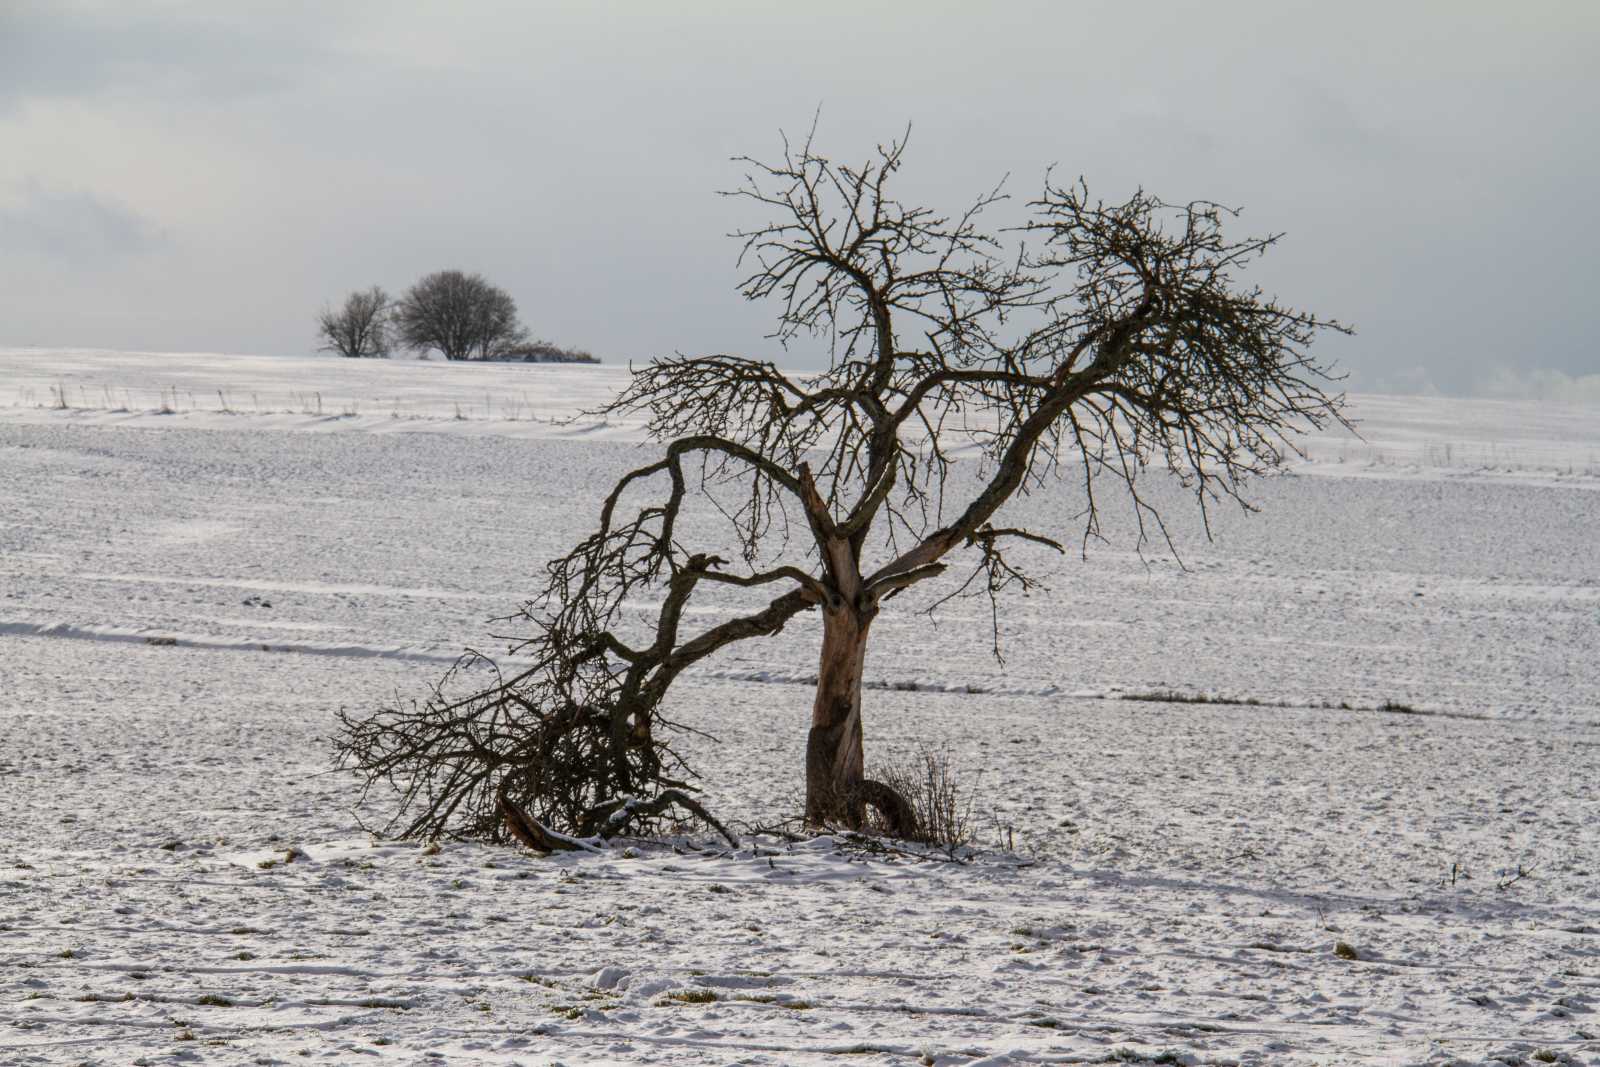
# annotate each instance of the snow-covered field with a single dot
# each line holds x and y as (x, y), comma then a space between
(192, 583)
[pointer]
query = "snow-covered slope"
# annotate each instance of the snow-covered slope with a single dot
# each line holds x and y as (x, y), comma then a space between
(187, 599)
(1509, 439)
(217, 391)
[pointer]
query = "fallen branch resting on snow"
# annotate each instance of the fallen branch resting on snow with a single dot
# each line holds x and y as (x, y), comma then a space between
(618, 815)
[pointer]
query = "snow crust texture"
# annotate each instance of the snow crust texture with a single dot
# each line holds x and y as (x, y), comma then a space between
(1375, 840)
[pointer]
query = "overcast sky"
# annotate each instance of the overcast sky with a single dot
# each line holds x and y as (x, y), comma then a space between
(204, 176)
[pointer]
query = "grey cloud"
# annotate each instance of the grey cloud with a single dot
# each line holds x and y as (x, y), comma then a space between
(73, 224)
(1330, 121)
(185, 52)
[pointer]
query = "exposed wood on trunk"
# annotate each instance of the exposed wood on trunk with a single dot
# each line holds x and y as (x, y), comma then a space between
(837, 789)
(530, 831)
(834, 757)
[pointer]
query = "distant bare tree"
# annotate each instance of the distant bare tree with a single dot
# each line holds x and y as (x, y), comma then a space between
(1121, 341)
(461, 316)
(358, 329)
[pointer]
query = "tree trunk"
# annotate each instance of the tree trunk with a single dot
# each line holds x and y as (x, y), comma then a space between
(837, 789)
(834, 761)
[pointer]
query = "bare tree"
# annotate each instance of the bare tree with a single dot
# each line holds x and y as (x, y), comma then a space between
(359, 328)
(1121, 342)
(461, 316)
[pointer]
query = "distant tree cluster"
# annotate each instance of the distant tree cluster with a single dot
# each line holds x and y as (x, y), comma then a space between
(544, 352)
(461, 316)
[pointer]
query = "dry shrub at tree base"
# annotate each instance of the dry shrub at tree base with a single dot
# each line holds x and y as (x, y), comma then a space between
(941, 803)
(1120, 341)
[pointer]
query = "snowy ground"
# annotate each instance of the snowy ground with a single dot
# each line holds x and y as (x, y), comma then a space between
(1179, 873)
